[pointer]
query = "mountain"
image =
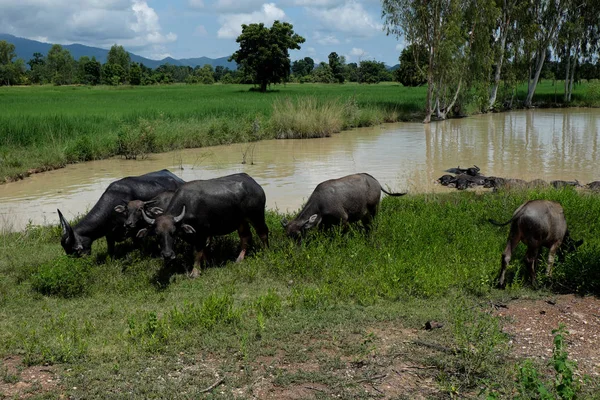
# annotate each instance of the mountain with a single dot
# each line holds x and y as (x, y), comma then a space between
(26, 47)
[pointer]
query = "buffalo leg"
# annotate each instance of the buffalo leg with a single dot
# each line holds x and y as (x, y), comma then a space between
(261, 230)
(199, 257)
(530, 258)
(513, 241)
(245, 238)
(551, 254)
(110, 246)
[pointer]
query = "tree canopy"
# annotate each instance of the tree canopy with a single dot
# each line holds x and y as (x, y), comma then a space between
(264, 52)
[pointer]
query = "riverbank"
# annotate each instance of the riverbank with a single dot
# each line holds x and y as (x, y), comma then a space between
(43, 128)
(340, 315)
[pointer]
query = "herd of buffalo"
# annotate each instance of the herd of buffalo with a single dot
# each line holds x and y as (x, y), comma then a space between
(161, 204)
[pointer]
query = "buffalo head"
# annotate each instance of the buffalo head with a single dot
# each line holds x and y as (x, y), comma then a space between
(72, 243)
(132, 212)
(299, 226)
(165, 227)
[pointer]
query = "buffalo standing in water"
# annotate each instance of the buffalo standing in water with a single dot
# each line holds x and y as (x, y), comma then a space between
(339, 201)
(536, 223)
(103, 221)
(205, 208)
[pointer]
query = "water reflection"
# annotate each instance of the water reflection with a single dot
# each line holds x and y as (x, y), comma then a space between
(546, 144)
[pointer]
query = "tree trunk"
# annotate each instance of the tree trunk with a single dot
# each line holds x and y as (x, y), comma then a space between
(533, 82)
(428, 105)
(263, 86)
(442, 114)
(503, 35)
(574, 64)
(567, 70)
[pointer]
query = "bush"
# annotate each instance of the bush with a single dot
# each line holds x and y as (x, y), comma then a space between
(306, 118)
(63, 277)
(137, 141)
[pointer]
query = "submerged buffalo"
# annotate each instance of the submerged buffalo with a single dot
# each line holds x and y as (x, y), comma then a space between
(472, 171)
(595, 186)
(339, 201)
(537, 223)
(504, 183)
(563, 184)
(132, 210)
(205, 208)
(103, 221)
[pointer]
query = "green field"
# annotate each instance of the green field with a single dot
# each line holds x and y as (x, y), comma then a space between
(333, 314)
(47, 127)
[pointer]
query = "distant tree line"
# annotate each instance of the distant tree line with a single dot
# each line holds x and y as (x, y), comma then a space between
(58, 67)
(338, 71)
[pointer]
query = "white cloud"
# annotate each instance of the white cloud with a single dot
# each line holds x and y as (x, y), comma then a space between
(325, 40)
(350, 18)
(231, 25)
(358, 53)
(131, 23)
(196, 3)
(399, 47)
(316, 3)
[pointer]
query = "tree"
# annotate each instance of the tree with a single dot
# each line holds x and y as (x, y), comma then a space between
(10, 71)
(264, 53)
(323, 74)
(337, 63)
(371, 71)
(413, 64)
(303, 67)
(60, 65)
(135, 74)
(117, 55)
(112, 74)
(37, 68)
(351, 72)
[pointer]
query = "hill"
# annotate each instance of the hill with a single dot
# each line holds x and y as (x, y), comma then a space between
(26, 47)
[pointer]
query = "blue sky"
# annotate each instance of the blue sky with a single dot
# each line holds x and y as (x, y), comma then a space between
(195, 28)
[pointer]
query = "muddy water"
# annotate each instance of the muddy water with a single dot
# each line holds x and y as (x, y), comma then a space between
(546, 144)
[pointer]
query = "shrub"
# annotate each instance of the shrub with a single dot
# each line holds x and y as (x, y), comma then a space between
(137, 140)
(306, 118)
(63, 277)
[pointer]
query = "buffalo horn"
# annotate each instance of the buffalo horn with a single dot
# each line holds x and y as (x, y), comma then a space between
(178, 218)
(66, 228)
(149, 221)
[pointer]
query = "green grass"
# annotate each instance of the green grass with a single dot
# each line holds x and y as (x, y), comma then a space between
(48, 127)
(131, 329)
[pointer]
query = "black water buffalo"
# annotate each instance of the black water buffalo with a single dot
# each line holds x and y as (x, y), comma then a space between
(537, 184)
(536, 223)
(595, 186)
(339, 201)
(103, 221)
(563, 184)
(445, 180)
(504, 183)
(132, 211)
(205, 208)
(472, 171)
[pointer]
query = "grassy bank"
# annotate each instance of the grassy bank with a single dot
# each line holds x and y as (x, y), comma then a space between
(47, 127)
(143, 332)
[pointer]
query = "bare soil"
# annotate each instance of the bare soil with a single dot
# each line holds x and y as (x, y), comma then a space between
(18, 381)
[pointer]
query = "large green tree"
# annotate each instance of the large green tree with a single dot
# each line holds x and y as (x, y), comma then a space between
(337, 64)
(60, 65)
(303, 67)
(413, 66)
(117, 55)
(10, 71)
(264, 52)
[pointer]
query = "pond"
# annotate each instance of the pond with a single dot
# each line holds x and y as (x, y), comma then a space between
(546, 144)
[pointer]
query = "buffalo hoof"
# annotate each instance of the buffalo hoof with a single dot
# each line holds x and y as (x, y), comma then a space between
(196, 272)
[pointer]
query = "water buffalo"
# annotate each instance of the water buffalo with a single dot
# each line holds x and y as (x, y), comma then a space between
(472, 171)
(205, 208)
(595, 186)
(563, 184)
(103, 221)
(537, 184)
(339, 201)
(536, 223)
(504, 183)
(445, 180)
(132, 211)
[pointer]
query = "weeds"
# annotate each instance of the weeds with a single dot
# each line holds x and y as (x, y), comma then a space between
(136, 141)
(63, 277)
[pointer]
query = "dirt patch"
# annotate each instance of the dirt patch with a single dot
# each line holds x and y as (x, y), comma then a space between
(530, 324)
(18, 381)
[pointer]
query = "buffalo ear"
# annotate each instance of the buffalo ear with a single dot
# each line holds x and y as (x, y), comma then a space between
(142, 233)
(312, 221)
(188, 228)
(155, 211)
(120, 209)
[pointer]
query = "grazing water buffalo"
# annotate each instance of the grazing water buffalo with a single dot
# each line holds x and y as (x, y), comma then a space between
(103, 221)
(536, 223)
(339, 201)
(205, 208)
(132, 211)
